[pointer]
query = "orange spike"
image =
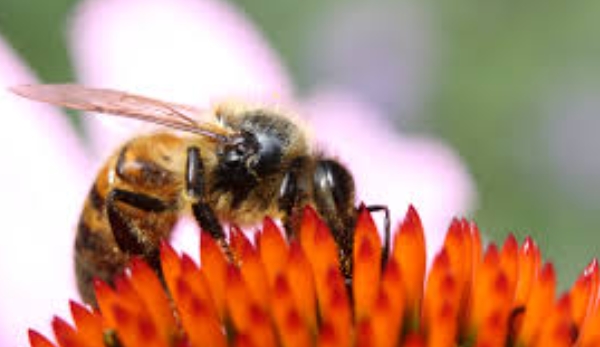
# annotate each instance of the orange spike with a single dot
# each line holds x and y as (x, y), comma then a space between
(321, 251)
(440, 304)
(458, 247)
(238, 299)
(255, 276)
(589, 335)
(195, 304)
(272, 249)
(89, 324)
(444, 325)
(135, 329)
(492, 300)
(38, 340)
(367, 264)
(299, 272)
(388, 309)
(557, 328)
(170, 264)
(414, 340)
(364, 333)
(334, 304)
(538, 306)
(247, 316)
(328, 337)
(410, 253)
(584, 294)
(261, 331)
(308, 229)
(529, 267)
(152, 294)
(509, 263)
(292, 328)
(214, 267)
(106, 299)
(476, 243)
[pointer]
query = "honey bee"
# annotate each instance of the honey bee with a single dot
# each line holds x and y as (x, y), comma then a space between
(235, 163)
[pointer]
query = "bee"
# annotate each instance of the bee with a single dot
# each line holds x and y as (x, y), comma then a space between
(236, 163)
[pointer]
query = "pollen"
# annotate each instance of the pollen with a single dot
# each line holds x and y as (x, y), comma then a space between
(293, 293)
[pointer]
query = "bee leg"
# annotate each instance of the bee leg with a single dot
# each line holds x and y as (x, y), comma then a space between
(290, 197)
(386, 225)
(129, 237)
(204, 214)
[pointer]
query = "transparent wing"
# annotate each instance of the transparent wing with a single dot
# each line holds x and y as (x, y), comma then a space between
(118, 103)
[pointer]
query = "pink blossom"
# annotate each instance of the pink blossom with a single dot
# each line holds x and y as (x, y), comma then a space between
(189, 52)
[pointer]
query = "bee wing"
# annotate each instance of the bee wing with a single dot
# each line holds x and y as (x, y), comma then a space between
(122, 104)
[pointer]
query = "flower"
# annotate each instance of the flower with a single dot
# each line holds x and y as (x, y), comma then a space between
(130, 45)
(294, 294)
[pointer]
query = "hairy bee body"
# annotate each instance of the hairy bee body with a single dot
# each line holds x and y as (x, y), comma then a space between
(154, 165)
(151, 164)
(236, 163)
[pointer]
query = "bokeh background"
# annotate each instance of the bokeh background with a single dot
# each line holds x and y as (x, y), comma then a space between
(513, 86)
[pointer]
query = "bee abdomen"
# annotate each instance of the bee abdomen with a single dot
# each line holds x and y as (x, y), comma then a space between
(96, 253)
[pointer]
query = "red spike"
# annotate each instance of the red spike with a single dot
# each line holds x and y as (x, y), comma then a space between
(65, 335)
(584, 295)
(38, 340)
(239, 243)
(89, 324)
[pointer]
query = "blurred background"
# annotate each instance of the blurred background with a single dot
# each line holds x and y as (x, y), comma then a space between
(513, 86)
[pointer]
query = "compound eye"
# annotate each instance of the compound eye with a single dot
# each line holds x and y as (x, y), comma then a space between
(239, 149)
(334, 187)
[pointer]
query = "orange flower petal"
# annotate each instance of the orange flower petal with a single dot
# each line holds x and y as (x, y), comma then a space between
(538, 306)
(409, 252)
(557, 327)
(214, 265)
(292, 328)
(299, 272)
(584, 294)
(459, 249)
(154, 298)
(440, 304)
(529, 267)
(296, 294)
(194, 303)
(255, 276)
(367, 265)
(388, 311)
(273, 249)
(89, 325)
(509, 263)
(492, 298)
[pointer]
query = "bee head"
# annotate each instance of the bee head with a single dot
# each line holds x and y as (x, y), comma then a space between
(257, 153)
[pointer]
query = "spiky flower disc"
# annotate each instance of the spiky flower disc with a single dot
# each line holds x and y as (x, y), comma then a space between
(293, 294)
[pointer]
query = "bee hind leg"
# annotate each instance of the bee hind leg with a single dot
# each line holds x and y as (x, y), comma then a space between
(203, 213)
(129, 238)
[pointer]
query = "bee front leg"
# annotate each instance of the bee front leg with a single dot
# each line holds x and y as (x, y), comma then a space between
(129, 237)
(204, 214)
